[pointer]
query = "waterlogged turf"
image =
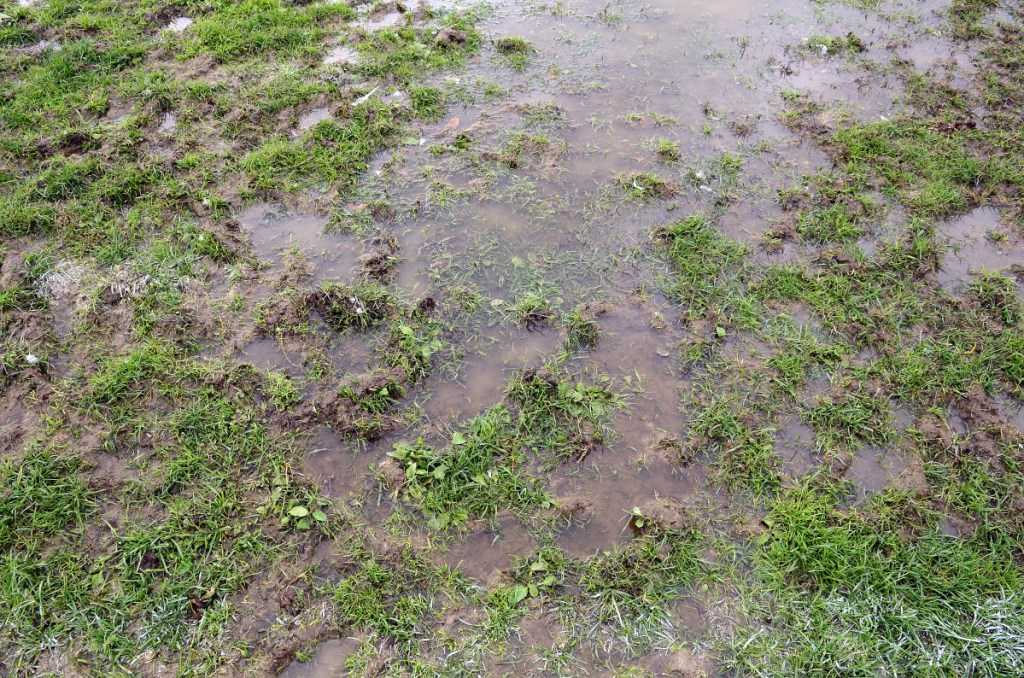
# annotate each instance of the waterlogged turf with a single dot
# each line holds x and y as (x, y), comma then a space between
(526, 338)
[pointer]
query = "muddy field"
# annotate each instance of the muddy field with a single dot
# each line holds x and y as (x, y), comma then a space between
(527, 338)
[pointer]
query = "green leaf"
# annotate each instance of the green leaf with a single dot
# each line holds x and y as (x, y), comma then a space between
(320, 516)
(458, 439)
(517, 594)
(298, 511)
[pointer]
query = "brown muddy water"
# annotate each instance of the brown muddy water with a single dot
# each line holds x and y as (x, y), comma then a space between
(611, 78)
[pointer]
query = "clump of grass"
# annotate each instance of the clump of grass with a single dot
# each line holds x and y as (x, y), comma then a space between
(799, 354)
(616, 601)
(932, 173)
(966, 18)
(668, 150)
(357, 306)
(644, 185)
(828, 224)
(484, 467)
(851, 420)
(235, 31)
(531, 309)
(705, 266)
(480, 473)
(411, 345)
(542, 114)
(513, 51)
(387, 595)
(998, 295)
(427, 102)
(835, 45)
(581, 328)
(282, 391)
(560, 417)
(41, 494)
(749, 462)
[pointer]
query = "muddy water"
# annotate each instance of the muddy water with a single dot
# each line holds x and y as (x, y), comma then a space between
(340, 54)
(612, 78)
(315, 116)
(978, 241)
(615, 77)
(326, 662)
(278, 235)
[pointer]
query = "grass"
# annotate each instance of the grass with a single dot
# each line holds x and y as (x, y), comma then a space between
(618, 598)
(514, 52)
(161, 498)
(484, 467)
(851, 593)
(705, 266)
(851, 420)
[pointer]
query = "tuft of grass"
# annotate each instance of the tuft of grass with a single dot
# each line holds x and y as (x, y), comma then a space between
(357, 306)
(667, 150)
(706, 266)
(825, 45)
(830, 224)
(484, 468)
(850, 420)
(514, 52)
(647, 186)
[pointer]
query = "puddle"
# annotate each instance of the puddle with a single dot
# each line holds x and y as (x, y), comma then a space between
(484, 555)
(973, 249)
(179, 24)
(341, 55)
(328, 661)
(310, 119)
(796, 448)
(874, 469)
(935, 53)
(614, 483)
(481, 381)
(603, 95)
(339, 466)
(383, 21)
(168, 122)
(267, 354)
(274, 231)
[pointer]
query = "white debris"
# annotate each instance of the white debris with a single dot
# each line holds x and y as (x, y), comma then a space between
(366, 97)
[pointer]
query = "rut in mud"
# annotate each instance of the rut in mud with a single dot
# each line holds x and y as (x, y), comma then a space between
(530, 338)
